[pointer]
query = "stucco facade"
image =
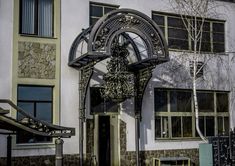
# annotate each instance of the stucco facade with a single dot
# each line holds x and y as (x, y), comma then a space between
(19, 66)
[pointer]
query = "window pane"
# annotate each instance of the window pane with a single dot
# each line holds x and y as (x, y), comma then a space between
(206, 37)
(44, 111)
(160, 97)
(187, 126)
(220, 125)
(205, 102)
(159, 19)
(157, 127)
(45, 18)
(226, 125)
(175, 22)
(206, 47)
(165, 129)
(218, 27)
(108, 9)
(217, 47)
(178, 44)
(180, 101)
(28, 16)
(34, 93)
(210, 126)
(94, 20)
(222, 102)
(27, 107)
(177, 33)
(176, 126)
(218, 37)
(96, 11)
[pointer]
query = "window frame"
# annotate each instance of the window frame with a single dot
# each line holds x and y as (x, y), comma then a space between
(36, 22)
(166, 15)
(103, 6)
(215, 114)
(35, 110)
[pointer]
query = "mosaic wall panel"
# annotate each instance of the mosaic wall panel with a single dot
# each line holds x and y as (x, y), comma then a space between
(36, 60)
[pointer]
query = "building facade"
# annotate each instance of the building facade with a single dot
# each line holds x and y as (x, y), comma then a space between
(35, 40)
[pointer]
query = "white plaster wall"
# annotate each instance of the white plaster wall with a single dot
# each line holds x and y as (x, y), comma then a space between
(75, 16)
(6, 40)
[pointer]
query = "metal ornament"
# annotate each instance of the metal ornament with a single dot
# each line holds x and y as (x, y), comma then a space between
(119, 82)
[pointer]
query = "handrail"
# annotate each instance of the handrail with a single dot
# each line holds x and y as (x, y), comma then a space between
(41, 122)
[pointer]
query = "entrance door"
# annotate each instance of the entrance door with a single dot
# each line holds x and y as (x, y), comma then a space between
(104, 140)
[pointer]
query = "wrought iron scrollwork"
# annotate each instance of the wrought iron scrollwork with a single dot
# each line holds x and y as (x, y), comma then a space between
(119, 82)
(85, 76)
(142, 78)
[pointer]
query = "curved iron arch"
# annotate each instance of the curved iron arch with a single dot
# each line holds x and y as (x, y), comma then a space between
(126, 19)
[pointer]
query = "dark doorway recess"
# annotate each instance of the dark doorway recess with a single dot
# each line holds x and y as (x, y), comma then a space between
(104, 140)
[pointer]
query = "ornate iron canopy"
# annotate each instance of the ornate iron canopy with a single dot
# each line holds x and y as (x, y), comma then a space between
(141, 37)
(94, 44)
(134, 44)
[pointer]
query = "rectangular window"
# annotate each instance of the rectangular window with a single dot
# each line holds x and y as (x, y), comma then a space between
(97, 10)
(36, 17)
(36, 101)
(175, 117)
(178, 36)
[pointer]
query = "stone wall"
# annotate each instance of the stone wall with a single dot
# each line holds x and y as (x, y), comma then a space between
(128, 158)
(36, 60)
(69, 160)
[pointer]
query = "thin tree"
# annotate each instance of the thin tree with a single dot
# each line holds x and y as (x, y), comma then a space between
(193, 14)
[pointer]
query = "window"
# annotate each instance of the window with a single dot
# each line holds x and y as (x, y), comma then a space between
(175, 117)
(37, 101)
(36, 17)
(174, 29)
(97, 10)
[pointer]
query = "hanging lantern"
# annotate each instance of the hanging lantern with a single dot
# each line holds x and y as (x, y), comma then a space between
(119, 82)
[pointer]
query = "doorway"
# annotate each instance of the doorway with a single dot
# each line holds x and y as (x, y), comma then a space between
(107, 140)
(104, 141)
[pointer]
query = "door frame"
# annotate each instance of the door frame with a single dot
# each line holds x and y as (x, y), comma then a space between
(114, 138)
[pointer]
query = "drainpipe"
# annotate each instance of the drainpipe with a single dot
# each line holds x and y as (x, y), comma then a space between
(81, 141)
(59, 152)
(137, 120)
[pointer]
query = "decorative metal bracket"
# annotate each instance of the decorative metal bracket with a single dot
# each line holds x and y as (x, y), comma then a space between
(85, 76)
(142, 78)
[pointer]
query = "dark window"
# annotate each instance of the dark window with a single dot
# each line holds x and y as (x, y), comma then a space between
(36, 101)
(222, 102)
(176, 126)
(218, 37)
(160, 100)
(176, 105)
(180, 101)
(36, 17)
(205, 101)
(97, 10)
(177, 34)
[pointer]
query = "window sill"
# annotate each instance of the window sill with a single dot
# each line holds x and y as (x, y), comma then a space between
(35, 36)
(176, 139)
